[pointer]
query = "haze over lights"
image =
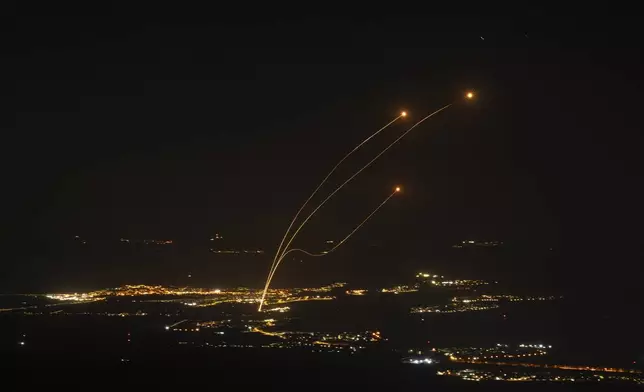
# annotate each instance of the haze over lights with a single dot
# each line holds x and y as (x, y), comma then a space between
(469, 95)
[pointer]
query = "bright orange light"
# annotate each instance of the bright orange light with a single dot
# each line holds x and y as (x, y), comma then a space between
(469, 95)
(403, 114)
(397, 189)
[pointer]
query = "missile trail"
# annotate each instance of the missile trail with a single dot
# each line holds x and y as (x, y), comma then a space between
(279, 248)
(345, 238)
(261, 303)
(358, 172)
(276, 264)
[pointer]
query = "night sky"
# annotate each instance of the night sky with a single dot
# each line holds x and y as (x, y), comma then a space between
(179, 127)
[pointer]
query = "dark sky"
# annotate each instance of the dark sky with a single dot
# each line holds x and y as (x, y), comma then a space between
(179, 126)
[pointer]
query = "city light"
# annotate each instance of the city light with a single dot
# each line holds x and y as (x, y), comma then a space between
(282, 309)
(541, 376)
(399, 289)
(418, 361)
(469, 95)
(527, 361)
(403, 114)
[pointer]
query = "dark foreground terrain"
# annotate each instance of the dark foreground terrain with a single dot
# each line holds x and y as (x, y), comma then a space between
(170, 370)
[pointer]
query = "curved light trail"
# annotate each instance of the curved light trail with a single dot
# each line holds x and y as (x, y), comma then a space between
(349, 180)
(279, 248)
(279, 259)
(345, 238)
(396, 190)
